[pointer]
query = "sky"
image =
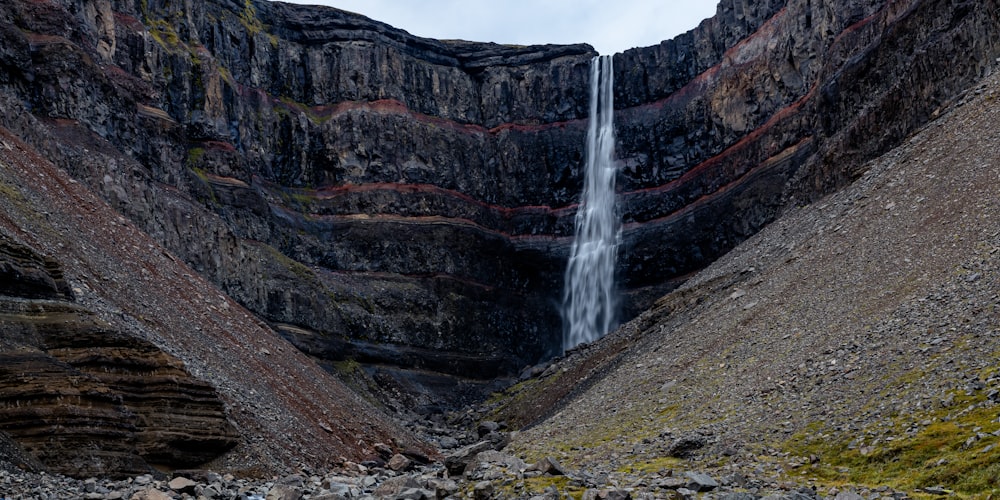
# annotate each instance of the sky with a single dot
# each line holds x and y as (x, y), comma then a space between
(610, 26)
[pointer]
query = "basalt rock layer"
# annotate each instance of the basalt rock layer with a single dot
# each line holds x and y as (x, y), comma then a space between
(409, 202)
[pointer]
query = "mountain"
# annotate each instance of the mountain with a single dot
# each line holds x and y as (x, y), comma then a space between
(275, 190)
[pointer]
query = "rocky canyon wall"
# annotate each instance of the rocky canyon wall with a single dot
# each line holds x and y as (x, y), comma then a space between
(116, 357)
(409, 202)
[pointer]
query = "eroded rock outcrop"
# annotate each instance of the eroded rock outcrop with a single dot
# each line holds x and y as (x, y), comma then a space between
(84, 399)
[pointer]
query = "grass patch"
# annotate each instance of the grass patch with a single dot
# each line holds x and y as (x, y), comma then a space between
(653, 465)
(534, 486)
(952, 447)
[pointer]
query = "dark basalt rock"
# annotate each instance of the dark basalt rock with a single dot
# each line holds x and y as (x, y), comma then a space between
(26, 274)
(410, 202)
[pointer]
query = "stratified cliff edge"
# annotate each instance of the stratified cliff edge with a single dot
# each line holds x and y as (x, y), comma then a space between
(408, 203)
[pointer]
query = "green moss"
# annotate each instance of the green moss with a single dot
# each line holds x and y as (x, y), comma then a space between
(11, 193)
(202, 177)
(302, 199)
(200, 173)
(227, 75)
(194, 157)
(293, 105)
(615, 434)
(955, 447)
(163, 33)
(353, 374)
(197, 75)
(508, 405)
(253, 25)
(296, 267)
(347, 366)
(506, 396)
(534, 486)
(652, 465)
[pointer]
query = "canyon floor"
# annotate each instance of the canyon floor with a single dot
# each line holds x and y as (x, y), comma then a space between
(848, 350)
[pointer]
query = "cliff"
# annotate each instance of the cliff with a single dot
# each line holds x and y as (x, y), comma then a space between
(330, 173)
(119, 359)
(850, 347)
(408, 203)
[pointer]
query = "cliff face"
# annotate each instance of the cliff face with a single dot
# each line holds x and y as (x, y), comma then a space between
(331, 173)
(116, 357)
(787, 114)
(409, 202)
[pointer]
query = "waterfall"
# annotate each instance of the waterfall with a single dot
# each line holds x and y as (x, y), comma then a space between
(589, 295)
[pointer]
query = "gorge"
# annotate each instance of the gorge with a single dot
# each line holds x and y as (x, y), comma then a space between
(207, 184)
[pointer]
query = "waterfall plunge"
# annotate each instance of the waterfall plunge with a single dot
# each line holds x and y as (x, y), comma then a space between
(589, 295)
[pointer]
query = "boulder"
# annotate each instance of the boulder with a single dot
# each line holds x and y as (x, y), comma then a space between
(182, 485)
(483, 490)
(399, 463)
(685, 446)
(457, 461)
(284, 492)
(550, 466)
(487, 427)
(700, 482)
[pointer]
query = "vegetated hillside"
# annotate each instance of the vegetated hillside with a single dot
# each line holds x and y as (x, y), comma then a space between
(855, 340)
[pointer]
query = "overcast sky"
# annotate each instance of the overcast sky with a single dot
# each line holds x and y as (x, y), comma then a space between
(609, 25)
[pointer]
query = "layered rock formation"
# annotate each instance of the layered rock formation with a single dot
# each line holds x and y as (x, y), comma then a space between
(851, 343)
(334, 174)
(780, 117)
(409, 202)
(85, 399)
(116, 357)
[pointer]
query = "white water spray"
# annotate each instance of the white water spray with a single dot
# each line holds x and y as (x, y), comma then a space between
(589, 298)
